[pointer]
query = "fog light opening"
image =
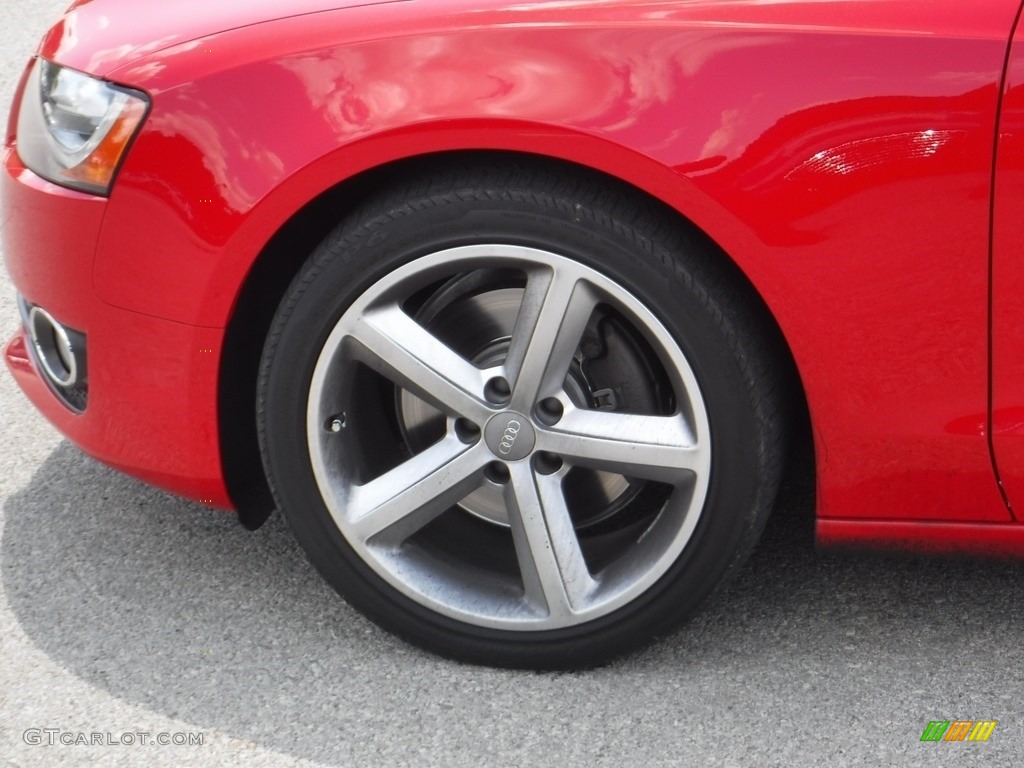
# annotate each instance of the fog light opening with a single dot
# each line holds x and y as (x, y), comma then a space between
(54, 348)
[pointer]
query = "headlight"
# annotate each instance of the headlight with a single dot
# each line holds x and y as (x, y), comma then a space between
(73, 129)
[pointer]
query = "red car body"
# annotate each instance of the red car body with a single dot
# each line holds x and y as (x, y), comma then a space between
(861, 162)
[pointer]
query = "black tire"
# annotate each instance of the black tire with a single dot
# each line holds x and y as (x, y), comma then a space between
(639, 247)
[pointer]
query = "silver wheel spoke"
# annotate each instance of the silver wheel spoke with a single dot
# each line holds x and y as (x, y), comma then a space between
(554, 572)
(555, 310)
(658, 448)
(400, 349)
(400, 502)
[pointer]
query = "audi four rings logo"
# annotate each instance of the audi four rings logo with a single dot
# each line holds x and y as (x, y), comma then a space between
(509, 438)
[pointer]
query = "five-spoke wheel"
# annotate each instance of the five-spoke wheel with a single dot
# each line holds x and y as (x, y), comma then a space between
(514, 415)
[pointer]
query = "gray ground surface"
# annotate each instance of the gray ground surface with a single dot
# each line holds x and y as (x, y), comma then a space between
(125, 610)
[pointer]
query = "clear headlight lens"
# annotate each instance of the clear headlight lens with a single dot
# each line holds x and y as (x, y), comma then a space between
(73, 129)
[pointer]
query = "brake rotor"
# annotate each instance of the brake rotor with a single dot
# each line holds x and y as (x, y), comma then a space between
(475, 314)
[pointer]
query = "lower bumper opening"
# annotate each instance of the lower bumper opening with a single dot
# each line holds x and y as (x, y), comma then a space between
(59, 354)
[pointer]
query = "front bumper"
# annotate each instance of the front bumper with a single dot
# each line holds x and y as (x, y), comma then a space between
(151, 409)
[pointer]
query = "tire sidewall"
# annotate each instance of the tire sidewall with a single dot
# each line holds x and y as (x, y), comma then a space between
(369, 246)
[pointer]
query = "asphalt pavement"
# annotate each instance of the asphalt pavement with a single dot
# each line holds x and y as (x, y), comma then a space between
(128, 615)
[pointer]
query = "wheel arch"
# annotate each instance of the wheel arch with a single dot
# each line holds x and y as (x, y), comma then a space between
(284, 253)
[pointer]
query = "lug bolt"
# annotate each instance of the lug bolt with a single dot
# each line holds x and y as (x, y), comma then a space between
(497, 472)
(497, 391)
(546, 463)
(466, 431)
(549, 411)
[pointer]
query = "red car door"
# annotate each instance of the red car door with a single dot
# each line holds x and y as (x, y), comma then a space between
(1007, 422)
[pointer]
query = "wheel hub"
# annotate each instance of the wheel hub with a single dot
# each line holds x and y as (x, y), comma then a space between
(510, 436)
(477, 313)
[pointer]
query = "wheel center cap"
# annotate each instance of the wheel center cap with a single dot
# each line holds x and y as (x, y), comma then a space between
(510, 436)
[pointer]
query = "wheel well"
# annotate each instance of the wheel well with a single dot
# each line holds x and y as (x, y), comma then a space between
(284, 255)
